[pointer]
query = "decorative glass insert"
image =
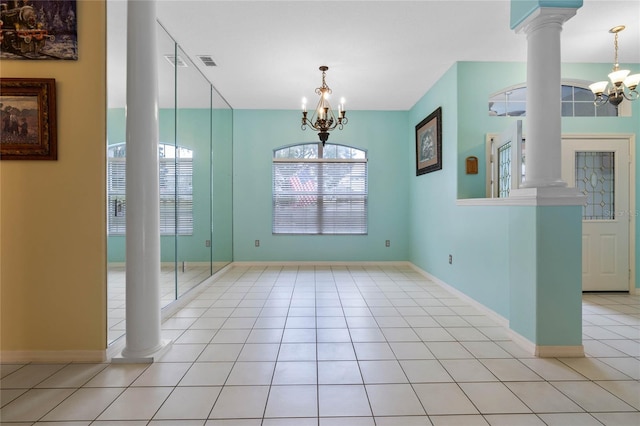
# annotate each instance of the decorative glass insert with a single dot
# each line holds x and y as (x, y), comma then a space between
(595, 178)
(504, 170)
(576, 102)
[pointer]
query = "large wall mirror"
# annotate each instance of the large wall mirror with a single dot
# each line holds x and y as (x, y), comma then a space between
(195, 149)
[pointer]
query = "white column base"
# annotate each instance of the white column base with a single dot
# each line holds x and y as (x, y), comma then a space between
(545, 351)
(559, 351)
(147, 358)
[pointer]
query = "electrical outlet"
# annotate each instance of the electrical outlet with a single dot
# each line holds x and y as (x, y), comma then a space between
(387, 243)
(450, 259)
(207, 243)
(257, 243)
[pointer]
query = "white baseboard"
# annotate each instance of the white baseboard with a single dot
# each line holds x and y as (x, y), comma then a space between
(20, 357)
(191, 294)
(560, 351)
(321, 263)
(165, 346)
(479, 306)
(540, 351)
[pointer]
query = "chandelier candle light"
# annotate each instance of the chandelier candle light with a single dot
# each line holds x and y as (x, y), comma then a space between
(623, 86)
(323, 120)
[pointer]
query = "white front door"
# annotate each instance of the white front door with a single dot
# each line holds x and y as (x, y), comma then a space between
(599, 168)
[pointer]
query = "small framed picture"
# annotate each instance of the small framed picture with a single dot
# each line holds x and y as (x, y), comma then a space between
(429, 143)
(28, 119)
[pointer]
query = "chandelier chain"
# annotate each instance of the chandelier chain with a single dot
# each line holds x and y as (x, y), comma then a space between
(615, 48)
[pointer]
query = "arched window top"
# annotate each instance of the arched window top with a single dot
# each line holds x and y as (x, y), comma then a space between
(165, 150)
(315, 150)
(577, 101)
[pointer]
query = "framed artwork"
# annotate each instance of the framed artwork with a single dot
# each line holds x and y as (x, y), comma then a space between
(38, 29)
(28, 119)
(429, 143)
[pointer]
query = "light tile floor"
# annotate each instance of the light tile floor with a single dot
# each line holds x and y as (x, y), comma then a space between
(342, 346)
(187, 277)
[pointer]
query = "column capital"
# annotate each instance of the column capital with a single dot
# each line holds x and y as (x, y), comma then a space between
(545, 16)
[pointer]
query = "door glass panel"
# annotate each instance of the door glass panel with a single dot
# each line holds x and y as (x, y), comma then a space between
(595, 173)
(504, 170)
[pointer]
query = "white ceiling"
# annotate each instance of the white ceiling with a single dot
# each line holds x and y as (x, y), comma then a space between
(382, 55)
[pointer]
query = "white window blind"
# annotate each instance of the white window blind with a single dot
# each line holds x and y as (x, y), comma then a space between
(116, 200)
(319, 196)
(176, 196)
(176, 190)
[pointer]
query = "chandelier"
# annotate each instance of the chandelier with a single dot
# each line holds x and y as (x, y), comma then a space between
(323, 120)
(623, 86)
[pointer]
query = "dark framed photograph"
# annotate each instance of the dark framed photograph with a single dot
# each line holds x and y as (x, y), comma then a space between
(429, 143)
(28, 119)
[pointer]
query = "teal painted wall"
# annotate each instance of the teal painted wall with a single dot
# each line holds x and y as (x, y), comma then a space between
(481, 244)
(476, 81)
(383, 134)
(523, 273)
(222, 159)
(559, 318)
(545, 274)
(476, 237)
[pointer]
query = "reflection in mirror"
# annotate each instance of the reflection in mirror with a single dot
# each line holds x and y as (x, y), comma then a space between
(167, 71)
(193, 182)
(222, 200)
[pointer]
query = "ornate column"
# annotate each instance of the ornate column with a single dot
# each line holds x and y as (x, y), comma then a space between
(544, 133)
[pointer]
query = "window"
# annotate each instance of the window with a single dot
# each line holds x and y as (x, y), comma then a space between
(577, 101)
(509, 103)
(319, 190)
(176, 190)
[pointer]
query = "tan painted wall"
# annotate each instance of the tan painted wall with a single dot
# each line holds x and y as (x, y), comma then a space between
(52, 213)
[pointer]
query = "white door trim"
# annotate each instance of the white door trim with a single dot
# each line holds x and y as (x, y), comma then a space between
(631, 138)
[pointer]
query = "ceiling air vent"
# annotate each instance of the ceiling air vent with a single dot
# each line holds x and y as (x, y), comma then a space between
(207, 61)
(176, 61)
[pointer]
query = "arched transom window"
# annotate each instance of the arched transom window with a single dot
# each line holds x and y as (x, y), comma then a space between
(577, 101)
